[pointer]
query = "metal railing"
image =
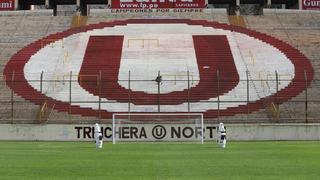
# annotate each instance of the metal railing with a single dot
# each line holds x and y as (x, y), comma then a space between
(303, 108)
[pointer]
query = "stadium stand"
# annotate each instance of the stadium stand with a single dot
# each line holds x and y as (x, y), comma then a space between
(287, 25)
(301, 30)
(19, 29)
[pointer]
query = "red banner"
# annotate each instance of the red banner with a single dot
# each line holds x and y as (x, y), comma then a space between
(154, 4)
(311, 4)
(6, 5)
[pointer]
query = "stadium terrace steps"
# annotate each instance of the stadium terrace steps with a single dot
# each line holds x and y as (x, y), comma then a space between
(298, 29)
(22, 28)
(89, 112)
(259, 23)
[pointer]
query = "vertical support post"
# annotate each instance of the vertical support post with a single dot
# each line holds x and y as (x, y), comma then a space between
(238, 2)
(53, 5)
(70, 93)
(248, 93)
(202, 132)
(113, 129)
(276, 100)
(99, 86)
(46, 3)
(16, 4)
(237, 9)
(43, 100)
(218, 92)
(129, 92)
(12, 105)
(300, 4)
(188, 92)
(277, 85)
(306, 97)
(12, 111)
(159, 81)
(269, 3)
(41, 80)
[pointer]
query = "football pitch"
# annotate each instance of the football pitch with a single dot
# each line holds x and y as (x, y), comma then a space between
(240, 160)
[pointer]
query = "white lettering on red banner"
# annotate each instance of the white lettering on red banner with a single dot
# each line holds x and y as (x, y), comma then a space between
(311, 4)
(154, 4)
(6, 5)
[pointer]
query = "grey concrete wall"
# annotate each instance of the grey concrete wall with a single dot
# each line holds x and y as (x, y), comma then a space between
(245, 132)
(274, 132)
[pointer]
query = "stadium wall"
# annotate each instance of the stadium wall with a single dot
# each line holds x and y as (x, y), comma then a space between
(106, 12)
(84, 132)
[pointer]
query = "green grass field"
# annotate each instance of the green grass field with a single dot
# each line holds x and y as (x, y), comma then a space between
(80, 160)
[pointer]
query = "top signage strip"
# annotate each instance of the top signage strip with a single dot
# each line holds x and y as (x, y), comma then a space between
(6, 5)
(311, 4)
(157, 4)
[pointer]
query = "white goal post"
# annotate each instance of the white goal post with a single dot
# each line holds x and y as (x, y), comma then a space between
(157, 127)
